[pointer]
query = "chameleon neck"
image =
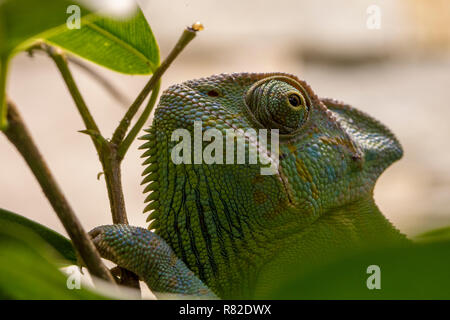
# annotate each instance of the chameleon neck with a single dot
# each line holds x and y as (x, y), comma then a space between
(356, 225)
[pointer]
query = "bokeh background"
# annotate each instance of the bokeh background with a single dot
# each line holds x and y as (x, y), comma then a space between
(399, 73)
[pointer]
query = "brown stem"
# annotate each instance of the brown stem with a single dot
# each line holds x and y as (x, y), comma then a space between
(112, 172)
(20, 137)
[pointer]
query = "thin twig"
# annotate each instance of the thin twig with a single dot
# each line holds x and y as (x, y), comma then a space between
(20, 137)
(3, 105)
(113, 179)
(188, 34)
(113, 91)
(61, 62)
(123, 148)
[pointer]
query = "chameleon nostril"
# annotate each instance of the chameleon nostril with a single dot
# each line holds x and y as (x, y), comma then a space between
(358, 159)
(213, 93)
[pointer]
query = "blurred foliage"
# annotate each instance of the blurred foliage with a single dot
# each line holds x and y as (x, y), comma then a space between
(57, 241)
(418, 271)
(20, 22)
(434, 235)
(27, 265)
(23, 20)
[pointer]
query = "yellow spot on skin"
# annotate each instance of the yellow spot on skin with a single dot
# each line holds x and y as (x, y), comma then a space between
(315, 192)
(338, 141)
(302, 171)
(173, 282)
(292, 148)
(211, 122)
(304, 174)
(259, 197)
(258, 179)
(173, 260)
(203, 291)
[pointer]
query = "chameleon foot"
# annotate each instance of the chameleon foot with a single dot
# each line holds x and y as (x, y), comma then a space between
(150, 257)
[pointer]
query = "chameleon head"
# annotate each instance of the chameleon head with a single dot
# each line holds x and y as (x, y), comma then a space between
(329, 154)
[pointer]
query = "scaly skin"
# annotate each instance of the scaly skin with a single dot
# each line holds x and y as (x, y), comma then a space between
(236, 229)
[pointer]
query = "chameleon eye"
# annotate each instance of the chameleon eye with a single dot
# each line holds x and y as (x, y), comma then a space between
(278, 103)
(294, 100)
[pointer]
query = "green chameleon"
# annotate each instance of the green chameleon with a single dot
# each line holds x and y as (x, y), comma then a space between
(229, 231)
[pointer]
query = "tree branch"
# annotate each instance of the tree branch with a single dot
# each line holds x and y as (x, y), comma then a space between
(107, 153)
(186, 37)
(20, 137)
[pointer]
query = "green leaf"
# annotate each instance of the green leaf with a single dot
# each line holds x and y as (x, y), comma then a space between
(441, 234)
(419, 271)
(126, 46)
(57, 241)
(21, 21)
(27, 270)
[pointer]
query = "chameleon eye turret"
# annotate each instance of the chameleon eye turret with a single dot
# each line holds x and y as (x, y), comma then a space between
(278, 103)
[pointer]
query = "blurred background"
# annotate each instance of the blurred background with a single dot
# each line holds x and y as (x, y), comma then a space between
(390, 59)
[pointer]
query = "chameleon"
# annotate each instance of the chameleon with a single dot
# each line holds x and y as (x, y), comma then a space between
(226, 231)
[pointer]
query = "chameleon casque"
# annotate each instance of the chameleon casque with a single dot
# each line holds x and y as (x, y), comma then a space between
(228, 231)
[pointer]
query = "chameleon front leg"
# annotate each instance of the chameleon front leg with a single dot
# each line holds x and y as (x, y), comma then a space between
(151, 258)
